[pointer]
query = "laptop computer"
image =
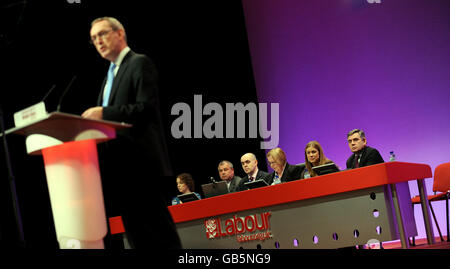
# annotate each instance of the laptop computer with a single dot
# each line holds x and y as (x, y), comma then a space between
(215, 189)
(326, 169)
(256, 184)
(188, 197)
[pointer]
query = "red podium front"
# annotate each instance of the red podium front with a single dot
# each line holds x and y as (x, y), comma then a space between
(342, 209)
(68, 144)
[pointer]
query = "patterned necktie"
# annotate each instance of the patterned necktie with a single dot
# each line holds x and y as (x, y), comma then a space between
(251, 179)
(356, 160)
(109, 83)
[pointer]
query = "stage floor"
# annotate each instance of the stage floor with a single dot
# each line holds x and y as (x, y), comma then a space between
(421, 243)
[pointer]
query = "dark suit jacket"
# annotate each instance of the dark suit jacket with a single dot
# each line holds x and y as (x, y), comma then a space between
(369, 156)
(234, 183)
(259, 175)
(290, 173)
(134, 164)
(134, 99)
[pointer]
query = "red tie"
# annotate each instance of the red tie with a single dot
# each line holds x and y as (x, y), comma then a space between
(251, 179)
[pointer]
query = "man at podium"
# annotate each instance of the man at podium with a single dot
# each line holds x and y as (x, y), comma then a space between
(130, 94)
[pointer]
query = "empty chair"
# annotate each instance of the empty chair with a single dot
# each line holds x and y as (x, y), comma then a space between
(441, 184)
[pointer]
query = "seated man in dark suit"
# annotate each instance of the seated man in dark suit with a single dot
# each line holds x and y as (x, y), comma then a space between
(283, 171)
(226, 173)
(250, 166)
(363, 155)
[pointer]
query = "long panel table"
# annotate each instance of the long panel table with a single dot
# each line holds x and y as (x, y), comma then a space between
(347, 208)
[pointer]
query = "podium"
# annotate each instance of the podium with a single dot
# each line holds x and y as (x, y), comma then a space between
(68, 144)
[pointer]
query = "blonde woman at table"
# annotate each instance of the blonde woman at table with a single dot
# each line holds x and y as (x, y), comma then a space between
(282, 170)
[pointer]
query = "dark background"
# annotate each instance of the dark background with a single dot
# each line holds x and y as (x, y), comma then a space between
(199, 47)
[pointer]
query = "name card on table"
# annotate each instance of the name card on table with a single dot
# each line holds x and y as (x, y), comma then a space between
(30, 114)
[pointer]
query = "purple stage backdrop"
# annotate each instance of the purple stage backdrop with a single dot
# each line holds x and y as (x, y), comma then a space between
(336, 65)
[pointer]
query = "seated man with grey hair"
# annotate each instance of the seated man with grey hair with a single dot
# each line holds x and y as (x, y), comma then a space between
(363, 155)
(226, 173)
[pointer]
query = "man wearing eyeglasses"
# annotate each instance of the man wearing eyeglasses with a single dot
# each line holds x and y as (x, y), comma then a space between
(130, 94)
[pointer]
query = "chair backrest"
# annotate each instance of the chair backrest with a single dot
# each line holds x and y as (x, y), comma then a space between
(442, 178)
(301, 165)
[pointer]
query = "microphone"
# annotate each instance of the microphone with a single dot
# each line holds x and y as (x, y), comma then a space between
(49, 91)
(213, 180)
(64, 93)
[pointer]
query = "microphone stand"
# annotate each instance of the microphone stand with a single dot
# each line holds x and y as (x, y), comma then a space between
(5, 42)
(12, 184)
(214, 182)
